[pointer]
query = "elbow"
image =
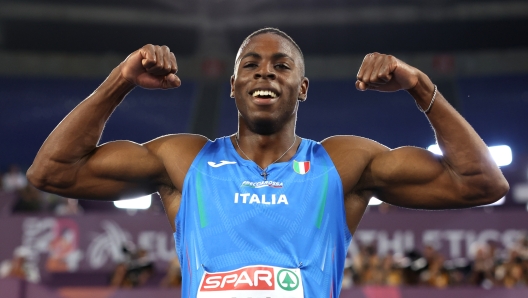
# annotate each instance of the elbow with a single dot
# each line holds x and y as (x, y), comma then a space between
(42, 178)
(51, 176)
(491, 191)
(36, 177)
(501, 189)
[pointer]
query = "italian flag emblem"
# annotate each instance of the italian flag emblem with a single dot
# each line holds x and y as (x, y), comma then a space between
(301, 167)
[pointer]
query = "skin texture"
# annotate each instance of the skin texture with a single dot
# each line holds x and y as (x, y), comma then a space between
(72, 164)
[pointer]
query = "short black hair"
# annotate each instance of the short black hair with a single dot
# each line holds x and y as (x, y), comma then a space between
(279, 33)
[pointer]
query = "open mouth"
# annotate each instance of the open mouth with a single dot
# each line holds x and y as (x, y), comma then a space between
(264, 94)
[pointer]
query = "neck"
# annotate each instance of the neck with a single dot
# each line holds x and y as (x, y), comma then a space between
(266, 149)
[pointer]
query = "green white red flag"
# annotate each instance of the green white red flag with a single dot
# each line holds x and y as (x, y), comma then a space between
(301, 167)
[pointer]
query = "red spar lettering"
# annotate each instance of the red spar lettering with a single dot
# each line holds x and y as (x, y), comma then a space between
(251, 278)
(264, 275)
(229, 279)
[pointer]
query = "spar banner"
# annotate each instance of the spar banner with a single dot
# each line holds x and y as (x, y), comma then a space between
(95, 242)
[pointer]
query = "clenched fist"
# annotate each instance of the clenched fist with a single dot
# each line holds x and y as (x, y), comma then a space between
(151, 67)
(386, 73)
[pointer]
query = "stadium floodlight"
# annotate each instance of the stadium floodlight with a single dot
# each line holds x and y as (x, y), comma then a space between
(502, 155)
(137, 203)
(498, 203)
(374, 201)
(435, 149)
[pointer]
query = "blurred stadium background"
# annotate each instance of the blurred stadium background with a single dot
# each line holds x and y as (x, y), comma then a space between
(54, 53)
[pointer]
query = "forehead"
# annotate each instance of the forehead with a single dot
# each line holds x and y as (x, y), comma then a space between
(268, 43)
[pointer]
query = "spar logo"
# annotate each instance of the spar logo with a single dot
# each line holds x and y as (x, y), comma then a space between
(248, 278)
(287, 280)
(261, 184)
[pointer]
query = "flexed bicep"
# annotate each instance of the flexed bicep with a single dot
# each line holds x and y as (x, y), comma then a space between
(416, 178)
(70, 162)
(112, 171)
(464, 176)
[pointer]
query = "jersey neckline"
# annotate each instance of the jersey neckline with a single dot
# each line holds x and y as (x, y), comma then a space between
(249, 163)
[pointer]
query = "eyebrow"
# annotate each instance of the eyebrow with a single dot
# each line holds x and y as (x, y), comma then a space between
(274, 56)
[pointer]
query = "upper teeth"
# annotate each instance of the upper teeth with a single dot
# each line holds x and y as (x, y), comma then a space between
(264, 93)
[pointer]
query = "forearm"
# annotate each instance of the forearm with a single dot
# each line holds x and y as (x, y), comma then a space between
(78, 133)
(464, 152)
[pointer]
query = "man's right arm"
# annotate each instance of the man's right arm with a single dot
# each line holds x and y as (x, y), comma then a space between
(71, 163)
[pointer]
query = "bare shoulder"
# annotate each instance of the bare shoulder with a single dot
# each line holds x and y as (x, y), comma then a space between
(351, 156)
(350, 142)
(345, 149)
(176, 152)
(176, 143)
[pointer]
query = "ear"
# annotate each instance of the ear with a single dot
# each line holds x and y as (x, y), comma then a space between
(232, 95)
(303, 89)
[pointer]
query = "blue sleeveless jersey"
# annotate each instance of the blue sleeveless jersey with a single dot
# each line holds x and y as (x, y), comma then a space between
(230, 217)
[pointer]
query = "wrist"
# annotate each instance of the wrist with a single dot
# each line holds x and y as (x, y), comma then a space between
(121, 79)
(423, 92)
(116, 85)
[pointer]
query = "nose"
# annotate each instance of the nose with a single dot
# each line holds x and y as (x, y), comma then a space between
(266, 72)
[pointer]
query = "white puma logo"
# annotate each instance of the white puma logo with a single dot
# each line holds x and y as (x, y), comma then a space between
(222, 163)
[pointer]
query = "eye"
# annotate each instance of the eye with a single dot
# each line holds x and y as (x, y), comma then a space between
(282, 66)
(250, 65)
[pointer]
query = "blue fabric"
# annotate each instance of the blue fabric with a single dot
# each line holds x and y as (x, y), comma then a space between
(230, 217)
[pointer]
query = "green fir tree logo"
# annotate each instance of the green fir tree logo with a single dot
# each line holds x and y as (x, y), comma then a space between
(287, 280)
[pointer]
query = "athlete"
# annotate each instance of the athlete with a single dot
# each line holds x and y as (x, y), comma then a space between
(263, 212)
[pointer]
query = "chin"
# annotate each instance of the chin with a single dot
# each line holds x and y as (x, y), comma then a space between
(263, 126)
(267, 123)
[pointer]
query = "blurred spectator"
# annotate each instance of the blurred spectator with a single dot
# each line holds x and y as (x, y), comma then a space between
(482, 265)
(394, 271)
(135, 271)
(173, 277)
(522, 248)
(457, 270)
(513, 272)
(65, 206)
(436, 275)
(486, 268)
(19, 267)
(140, 269)
(29, 199)
(118, 276)
(14, 179)
(413, 264)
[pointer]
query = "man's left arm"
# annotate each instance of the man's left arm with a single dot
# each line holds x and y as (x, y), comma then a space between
(465, 176)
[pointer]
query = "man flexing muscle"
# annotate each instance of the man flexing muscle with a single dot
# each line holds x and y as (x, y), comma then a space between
(263, 212)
